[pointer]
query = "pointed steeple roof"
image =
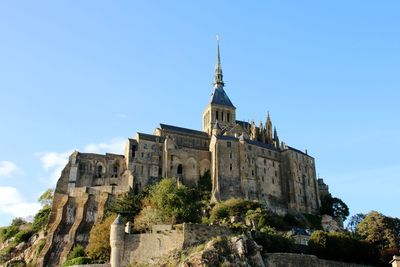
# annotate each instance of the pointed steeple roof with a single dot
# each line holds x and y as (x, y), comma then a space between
(219, 96)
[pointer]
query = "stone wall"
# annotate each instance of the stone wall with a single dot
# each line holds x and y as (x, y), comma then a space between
(147, 247)
(294, 260)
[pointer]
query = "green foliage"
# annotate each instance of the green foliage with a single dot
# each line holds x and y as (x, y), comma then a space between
(179, 202)
(18, 221)
(6, 252)
(334, 207)
(313, 221)
(78, 261)
(354, 221)
(233, 207)
(99, 240)
(23, 235)
(41, 219)
(40, 245)
(77, 252)
(380, 230)
(273, 241)
(342, 246)
(204, 187)
(128, 205)
(46, 199)
(147, 217)
(8, 232)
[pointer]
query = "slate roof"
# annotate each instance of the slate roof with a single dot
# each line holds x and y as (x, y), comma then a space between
(219, 97)
(182, 130)
(150, 137)
(261, 144)
(299, 151)
(244, 124)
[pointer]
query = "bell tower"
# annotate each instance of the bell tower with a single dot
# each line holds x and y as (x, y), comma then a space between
(220, 107)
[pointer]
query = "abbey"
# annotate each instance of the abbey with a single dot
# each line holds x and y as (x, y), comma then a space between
(244, 160)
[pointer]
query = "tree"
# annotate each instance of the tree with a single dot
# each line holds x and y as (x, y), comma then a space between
(99, 240)
(128, 205)
(173, 201)
(354, 221)
(379, 229)
(46, 199)
(334, 207)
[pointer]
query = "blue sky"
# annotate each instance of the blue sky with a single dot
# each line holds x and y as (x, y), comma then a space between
(86, 75)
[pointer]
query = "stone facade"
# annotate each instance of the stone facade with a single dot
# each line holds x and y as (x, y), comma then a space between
(244, 160)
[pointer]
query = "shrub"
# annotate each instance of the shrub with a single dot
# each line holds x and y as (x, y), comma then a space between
(342, 246)
(233, 207)
(273, 241)
(77, 252)
(8, 232)
(77, 261)
(99, 240)
(41, 219)
(23, 235)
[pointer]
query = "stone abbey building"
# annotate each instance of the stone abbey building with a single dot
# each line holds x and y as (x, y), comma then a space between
(244, 160)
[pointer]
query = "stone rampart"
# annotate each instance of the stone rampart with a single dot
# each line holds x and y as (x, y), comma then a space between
(294, 260)
(147, 247)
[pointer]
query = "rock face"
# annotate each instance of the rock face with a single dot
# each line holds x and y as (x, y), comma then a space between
(86, 184)
(330, 224)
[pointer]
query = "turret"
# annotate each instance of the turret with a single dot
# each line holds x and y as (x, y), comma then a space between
(276, 138)
(268, 126)
(117, 235)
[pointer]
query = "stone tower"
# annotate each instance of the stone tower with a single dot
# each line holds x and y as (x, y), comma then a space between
(117, 234)
(220, 107)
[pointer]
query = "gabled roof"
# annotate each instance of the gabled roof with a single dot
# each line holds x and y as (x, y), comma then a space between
(219, 97)
(182, 130)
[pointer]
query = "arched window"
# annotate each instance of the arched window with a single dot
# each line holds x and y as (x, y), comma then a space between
(180, 169)
(99, 171)
(115, 169)
(216, 115)
(228, 116)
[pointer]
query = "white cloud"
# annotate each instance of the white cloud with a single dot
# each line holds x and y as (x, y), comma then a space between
(53, 163)
(8, 168)
(115, 146)
(12, 203)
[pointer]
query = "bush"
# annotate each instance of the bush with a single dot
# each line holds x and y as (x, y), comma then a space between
(77, 252)
(41, 219)
(99, 240)
(23, 235)
(342, 246)
(8, 232)
(273, 241)
(77, 261)
(233, 207)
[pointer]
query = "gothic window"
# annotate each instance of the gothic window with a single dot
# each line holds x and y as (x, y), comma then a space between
(222, 116)
(230, 166)
(262, 178)
(216, 114)
(180, 169)
(99, 171)
(133, 151)
(115, 169)
(252, 172)
(228, 116)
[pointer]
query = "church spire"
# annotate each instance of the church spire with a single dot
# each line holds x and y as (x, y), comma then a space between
(218, 81)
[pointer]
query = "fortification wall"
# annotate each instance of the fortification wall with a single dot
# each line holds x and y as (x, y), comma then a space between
(147, 247)
(294, 260)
